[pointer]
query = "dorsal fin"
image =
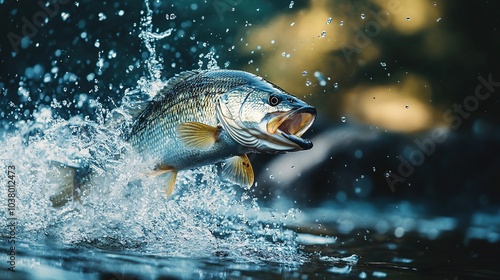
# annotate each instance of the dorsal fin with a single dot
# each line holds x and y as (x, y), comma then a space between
(183, 76)
(176, 80)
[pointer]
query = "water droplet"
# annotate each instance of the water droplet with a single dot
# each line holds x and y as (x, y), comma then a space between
(64, 16)
(320, 77)
(329, 20)
(283, 54)
(102, 16)
(399, 232)
(341, 23)
(336, 85)
(374, 169)
(271, 177)
(408, 18)
(291, 4)
(111, 54)
(363, 16)
(292, 24)
(387, 174)
(438, 20)
(383, 64)
(304, 73)
(407, 106)
(308, 83)
(323, 34)
(358, 154)
(343, 119)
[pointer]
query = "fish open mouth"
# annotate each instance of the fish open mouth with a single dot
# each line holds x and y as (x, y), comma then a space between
(293, 124)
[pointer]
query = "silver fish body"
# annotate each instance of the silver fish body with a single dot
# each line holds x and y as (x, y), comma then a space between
(211, 116)
(188, 98)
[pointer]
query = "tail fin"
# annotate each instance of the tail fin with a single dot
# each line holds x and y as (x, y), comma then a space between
(69, 181)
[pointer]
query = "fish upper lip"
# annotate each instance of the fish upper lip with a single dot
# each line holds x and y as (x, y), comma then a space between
(293, 124)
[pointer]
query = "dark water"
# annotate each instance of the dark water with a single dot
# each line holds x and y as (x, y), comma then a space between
(348, 243)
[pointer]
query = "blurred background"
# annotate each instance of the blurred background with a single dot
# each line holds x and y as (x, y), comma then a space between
(406, 90)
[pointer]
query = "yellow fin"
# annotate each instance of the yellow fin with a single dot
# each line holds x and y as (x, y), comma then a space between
(198, 135)
(170, 182)
(170, 175)
(238, 169)
(162, 169)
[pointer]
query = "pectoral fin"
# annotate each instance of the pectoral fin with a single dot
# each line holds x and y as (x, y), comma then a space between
(169, 174)
(198, 135)
(238, 169)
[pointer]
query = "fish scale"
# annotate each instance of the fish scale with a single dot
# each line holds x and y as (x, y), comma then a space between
(154, 132)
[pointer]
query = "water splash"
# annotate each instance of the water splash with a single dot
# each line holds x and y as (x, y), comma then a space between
(122, 208)
(151, 83)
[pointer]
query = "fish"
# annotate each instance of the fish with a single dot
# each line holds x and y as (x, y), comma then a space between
(209, 116)
(218, 116)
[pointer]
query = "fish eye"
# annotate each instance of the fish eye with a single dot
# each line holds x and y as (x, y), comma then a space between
(274, 100)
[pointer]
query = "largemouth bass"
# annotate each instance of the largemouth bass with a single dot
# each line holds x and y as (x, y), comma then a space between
(213, 116)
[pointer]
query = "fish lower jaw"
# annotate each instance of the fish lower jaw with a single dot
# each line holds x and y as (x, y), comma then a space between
(304, 144)
(281, 142)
